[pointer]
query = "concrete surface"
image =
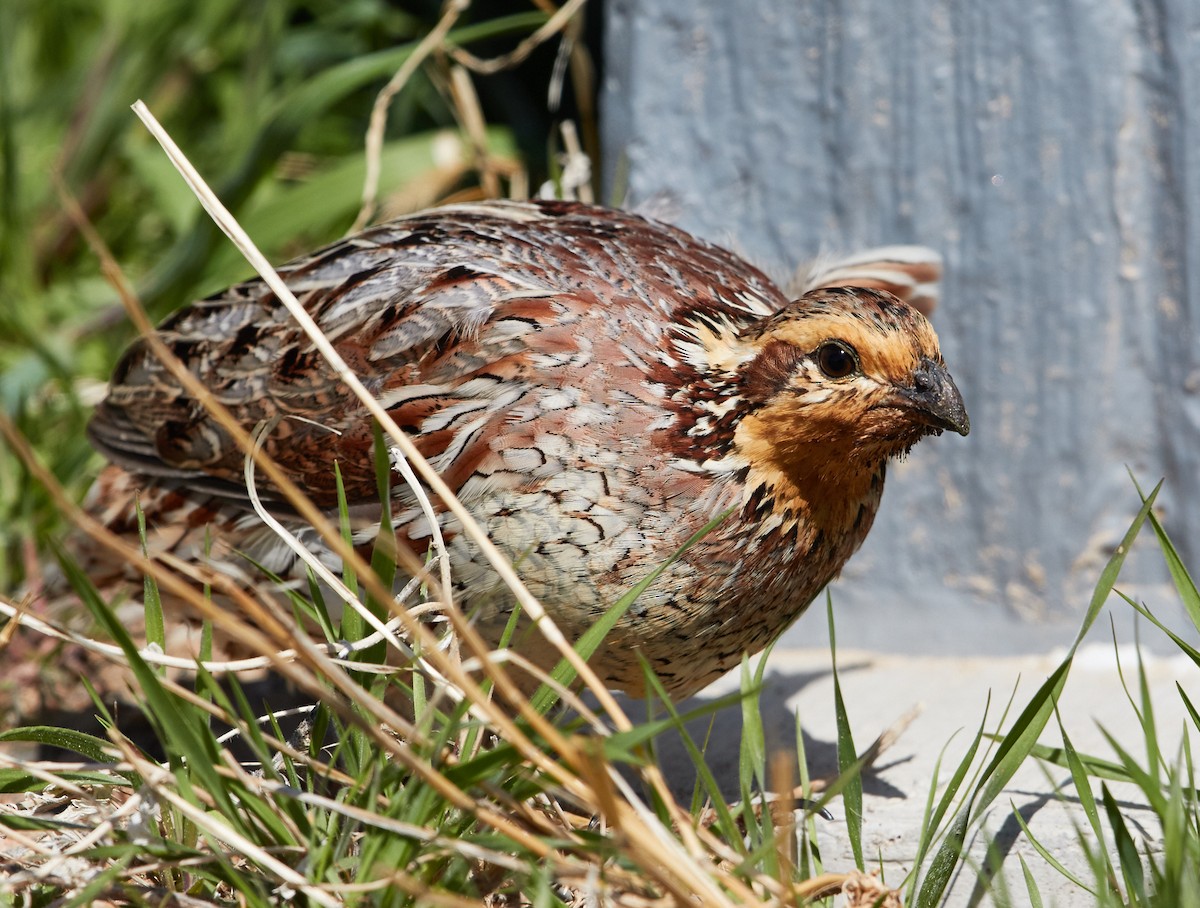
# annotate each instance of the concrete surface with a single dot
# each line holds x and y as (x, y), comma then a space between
(952, 695)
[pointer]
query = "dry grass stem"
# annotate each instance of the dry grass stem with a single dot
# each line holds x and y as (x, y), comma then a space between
(470, 114)
(575, 180)
(313, 563)
(378, 122)
(216, 828)
(553, 26)
(318, 665)
(471, 528)
(658, 853)
(567, 752)
(401, 465)
(19, 617)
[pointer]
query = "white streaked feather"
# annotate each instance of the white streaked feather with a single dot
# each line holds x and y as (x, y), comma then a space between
(912, 273)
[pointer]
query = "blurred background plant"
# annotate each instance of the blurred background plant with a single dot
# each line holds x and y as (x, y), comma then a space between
(272, 99)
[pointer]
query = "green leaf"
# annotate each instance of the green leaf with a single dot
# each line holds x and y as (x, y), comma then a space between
(1046, 855)
(1014, 747)
(1083, 787)
(752, 751)
(1192, 711)
(705, 780)
(30, 823)
(625, 745)
(1021, 739)
(1184, 647)
(1144, 779)
(1091, 765)
(383, 554)
(348, 576)
(933, 817)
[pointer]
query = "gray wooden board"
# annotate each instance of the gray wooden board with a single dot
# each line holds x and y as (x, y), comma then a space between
(1048, 150)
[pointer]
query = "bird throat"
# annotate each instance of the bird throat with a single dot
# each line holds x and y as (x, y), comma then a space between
(813, 481)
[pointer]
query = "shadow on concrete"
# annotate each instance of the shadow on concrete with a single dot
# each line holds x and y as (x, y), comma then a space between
(719, 736)
(1001, 845)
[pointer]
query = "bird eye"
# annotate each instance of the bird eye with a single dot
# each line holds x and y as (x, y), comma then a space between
(837, 360)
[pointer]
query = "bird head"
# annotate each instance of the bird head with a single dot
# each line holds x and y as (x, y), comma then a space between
(844, 377)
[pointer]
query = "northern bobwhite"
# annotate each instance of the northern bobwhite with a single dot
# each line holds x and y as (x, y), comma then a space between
(596, 387)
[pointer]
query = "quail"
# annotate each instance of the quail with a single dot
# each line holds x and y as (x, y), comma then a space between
(596, 387)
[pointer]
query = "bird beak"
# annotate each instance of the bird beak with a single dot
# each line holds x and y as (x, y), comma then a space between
(935, 398)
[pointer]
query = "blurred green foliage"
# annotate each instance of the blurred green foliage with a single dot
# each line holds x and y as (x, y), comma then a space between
(271, 100)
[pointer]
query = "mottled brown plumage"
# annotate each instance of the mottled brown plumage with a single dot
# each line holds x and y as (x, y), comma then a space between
(594, 386)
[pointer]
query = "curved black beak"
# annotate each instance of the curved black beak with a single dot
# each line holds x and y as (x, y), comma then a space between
(934, 396)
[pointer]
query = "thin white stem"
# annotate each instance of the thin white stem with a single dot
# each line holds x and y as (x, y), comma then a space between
(400, 462)
(499, 563)
(312, 561)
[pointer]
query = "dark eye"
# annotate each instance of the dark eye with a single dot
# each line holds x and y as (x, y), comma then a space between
(837, 360)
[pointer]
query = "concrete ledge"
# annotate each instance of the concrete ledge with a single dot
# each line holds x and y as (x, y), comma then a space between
(952, 694)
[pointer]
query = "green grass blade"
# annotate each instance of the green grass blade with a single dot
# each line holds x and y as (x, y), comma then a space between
(349, 577)
(931, 820)
(1031, 886)
(383, 555)
(1012, 752)
(1108, 577)
(1093, 766)
(1047, 856)
(1083, 790)
(156, 632)
(1192, 712)
(1131, 861)
(16, 781)
(944, 863)
(1184, 647)
(1144, 779)
(1021, 739)
(87, 746)
(705, 779)
(179, 732)
(752, 749)
(847, 755)
(1175, 837)
(1183, 581)
(1154, 759)
(624, 746)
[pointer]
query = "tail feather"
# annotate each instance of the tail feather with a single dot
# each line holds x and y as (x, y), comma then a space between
(912, 273)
